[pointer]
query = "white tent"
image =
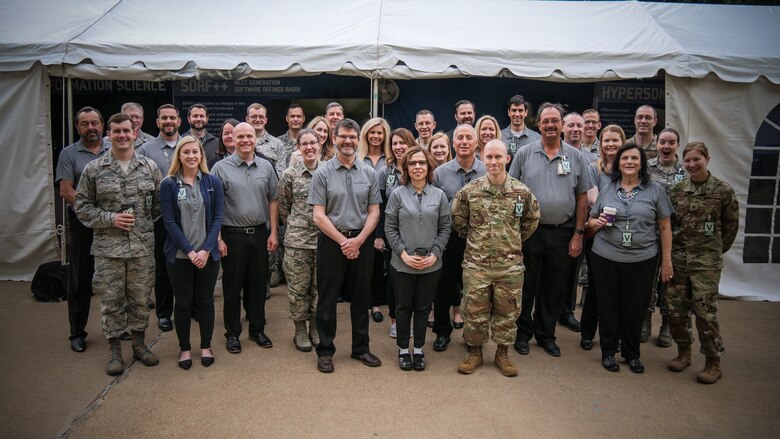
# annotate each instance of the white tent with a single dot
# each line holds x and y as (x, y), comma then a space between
(722, 67)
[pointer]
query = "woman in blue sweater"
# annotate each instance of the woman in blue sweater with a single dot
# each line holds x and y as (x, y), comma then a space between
(191, 201)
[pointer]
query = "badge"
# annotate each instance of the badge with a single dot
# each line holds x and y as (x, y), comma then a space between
(626, 239)
(519, 209)
(390, 182)
(513, 147)
(148, 201)
(182, 193)
(709, 228)
(564, 166)
(678, 178)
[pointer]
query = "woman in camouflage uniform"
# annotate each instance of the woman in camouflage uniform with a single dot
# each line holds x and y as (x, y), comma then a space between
(705, 225)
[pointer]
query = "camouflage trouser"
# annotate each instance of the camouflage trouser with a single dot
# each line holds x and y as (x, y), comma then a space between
(695, 291)
(300, 268)
(658, 291)
(491, 298)
(276, 258)
(123, 286)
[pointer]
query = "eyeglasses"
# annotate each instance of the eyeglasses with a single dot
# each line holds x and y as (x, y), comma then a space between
(420, 163)
(346, 137)
(313, 143)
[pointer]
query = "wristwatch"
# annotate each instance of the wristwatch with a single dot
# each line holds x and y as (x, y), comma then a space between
(579, 231)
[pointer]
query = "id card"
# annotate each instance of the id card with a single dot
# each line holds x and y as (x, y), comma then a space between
(564, 166)
(182, 194)
(519, 209)
(390, 181)
(709, 228)
(148, 201)
(626, 239)
(513, 147)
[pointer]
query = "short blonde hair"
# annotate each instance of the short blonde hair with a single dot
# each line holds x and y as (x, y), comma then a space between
(176, 162)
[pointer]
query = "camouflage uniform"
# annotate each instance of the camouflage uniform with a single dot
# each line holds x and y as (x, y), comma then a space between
(666, 177)
(495, 221)
(650, 148)
(124, 261)
(289, 146)
(274, 150)
(300, 265)
(705, 224)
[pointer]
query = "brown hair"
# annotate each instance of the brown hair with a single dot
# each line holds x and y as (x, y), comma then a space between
(405, 159)
(613, 128)
(408, 138)
(696, 146)
(437, 136)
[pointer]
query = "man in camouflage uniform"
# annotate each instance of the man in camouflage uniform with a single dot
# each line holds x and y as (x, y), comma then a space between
(645, 120)
(300, 240)
(495, 213)
(705, 225)
(118, 196)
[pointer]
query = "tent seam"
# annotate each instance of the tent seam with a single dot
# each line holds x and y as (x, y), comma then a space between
(685, 56)
(94, 22)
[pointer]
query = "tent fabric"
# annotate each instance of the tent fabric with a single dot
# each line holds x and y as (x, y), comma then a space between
(28, 235)
(726, 117)
(396, 38)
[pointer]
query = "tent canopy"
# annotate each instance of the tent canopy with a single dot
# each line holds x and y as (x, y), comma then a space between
(143, 39)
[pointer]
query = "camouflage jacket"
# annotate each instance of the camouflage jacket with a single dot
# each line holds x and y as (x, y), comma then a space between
(666, 177)
(290, 146)
(494, 220)
(294, 210)
(104, 188)
(651, 150)
(272, 148)
(705, 223)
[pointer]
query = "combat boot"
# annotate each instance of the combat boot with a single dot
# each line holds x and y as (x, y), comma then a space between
(647, 326)
(115, 364)
(664, 336)
(314, 336)
(277, 277)
(711, 372)
(473, 361)
(502, 362)
(682, 360)
(141, 351)
(301, 338)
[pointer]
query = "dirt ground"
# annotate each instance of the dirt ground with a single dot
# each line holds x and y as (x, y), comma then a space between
(46, 390)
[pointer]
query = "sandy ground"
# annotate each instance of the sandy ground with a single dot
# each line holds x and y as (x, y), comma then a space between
(46, 390)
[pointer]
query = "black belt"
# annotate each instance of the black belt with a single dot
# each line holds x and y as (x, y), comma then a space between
(556, 226)
(350, 233)
(242, 230)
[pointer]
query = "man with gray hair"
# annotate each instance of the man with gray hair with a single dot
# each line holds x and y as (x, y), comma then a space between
(135, 112)
(425, 124)
(334, 112)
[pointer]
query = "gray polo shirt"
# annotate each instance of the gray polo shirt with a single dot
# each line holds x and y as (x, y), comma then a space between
(380, 164)
(192, 213)
(600, 179)
(249, 188)
(413, 222)
(587, 155)
(345, 192)
(160, 152)
(450, 177)
(556, 193)
(73, 159)
(389, 178)
(648, 206)
(514, 142)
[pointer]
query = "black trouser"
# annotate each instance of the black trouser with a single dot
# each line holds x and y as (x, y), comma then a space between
(163, 293)
(547, 263)
(448, 292)
(245, 267)
(336, 273)
(378, 279)
(193, 284)
(387, 256)
(414, 294)
(80, 270)
(570, 299)
(624, 290)
(589, 319)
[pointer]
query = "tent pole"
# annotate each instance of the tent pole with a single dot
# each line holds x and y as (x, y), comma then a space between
(374, 97)
(70, 113)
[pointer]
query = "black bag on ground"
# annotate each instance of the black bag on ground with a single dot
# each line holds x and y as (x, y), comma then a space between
(48, 284)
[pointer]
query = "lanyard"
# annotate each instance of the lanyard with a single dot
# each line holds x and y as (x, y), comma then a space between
(629, 202)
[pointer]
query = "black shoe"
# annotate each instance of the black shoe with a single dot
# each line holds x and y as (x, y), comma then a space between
(609, 363)
(457, 325)
(550, 348)
(521, 346)
(125, 336)
(341, 299)
(636, 366)
(233, 345)
(325, 364)
(586, 344)
(185, 364)
(262, 340)
(78, 344)
(150, 303)
(165, 324)
(377, 316)
(440, 345)
(430, 323)
(570, 322)
(207, 361)
(405, 361)
(368, 359)
(418, 361)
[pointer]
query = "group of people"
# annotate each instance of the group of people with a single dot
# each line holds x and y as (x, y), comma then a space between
(490, 225)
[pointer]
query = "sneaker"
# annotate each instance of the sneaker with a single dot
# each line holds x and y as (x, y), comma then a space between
(393, 331)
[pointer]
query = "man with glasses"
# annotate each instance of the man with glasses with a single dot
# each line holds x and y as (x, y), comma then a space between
(425, 125)
(590, 133)
(345, 198)
(267, 145)
(136, 114)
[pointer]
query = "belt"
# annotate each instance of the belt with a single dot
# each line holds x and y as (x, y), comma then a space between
(556, 226)
(242, 230)
(350, 233)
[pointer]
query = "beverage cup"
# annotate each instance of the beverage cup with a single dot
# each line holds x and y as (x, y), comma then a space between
(609, 213)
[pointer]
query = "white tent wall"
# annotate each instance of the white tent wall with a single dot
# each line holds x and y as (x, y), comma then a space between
(726, 116)
(27, 237)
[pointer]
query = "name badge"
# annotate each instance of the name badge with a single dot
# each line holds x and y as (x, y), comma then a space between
(626, 239)
(519, 209)
(678, 178)
(709, 228)
(182, 194)
(564, 166)
(390, 181)
(513, 147)
(148, 201)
